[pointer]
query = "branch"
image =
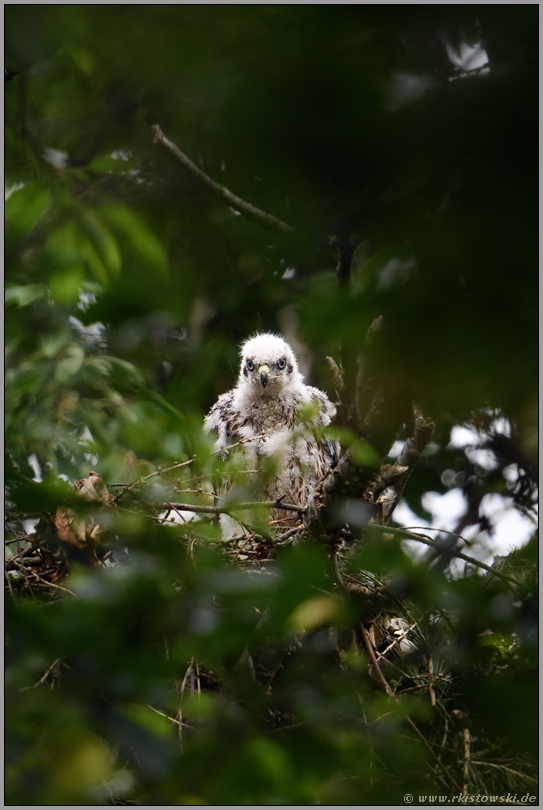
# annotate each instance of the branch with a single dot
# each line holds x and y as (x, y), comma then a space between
(160, 471)
(391, 694)
(43, 677)
(232, 507)
(407, 461)
(245, 208)
(41, 580)
(432, 543)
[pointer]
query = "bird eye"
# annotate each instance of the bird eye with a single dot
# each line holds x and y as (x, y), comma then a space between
(281, 363)
(250, 365)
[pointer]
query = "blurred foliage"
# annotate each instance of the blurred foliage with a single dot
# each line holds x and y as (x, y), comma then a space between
(128, 290)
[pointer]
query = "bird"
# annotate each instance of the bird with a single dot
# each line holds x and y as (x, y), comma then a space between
(275, 419)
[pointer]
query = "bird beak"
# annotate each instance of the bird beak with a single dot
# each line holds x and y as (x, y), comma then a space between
(264, 374)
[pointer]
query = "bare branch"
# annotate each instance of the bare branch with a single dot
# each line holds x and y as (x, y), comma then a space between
(167, 716)
(232, 507)
(43, 677)
(144, 478)
(250, 211)
(420, 538)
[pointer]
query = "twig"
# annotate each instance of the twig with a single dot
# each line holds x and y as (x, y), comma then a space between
(397, 640)
(51, 584)
(43, 677)
(289, 533)
(187, 673)
(238, 551)
(432, 543)
(465, 773)
(172, 508)
(443, 531)
(23, 566)
(431, 689)
(160, 471)
(408, 459)
(391, 694)
(201, 492)
(445, 733)
(226, 449)
(232, 507)
(504, 768)
(171, 719)
(243, 207)
(198, 679)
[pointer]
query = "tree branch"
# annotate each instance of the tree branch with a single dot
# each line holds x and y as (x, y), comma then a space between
(250, 211)
(432, 543)
(159, 471)
(407, 461)
(391, 694)
(232, 507)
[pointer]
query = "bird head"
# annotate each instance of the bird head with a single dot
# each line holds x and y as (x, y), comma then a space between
(268, 364)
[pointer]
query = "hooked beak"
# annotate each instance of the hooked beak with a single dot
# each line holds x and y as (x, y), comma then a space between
(264, 374)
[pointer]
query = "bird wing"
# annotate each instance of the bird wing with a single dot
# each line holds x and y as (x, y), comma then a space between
(312, 457)
(225, 420)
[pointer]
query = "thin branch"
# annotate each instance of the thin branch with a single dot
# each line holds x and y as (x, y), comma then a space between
(397, 640)
(141, 480)
(178, 723)
(197, 673)
(431, 689)
(233, 507)
(442, 531)
(186, 676)
(391, 694)
(290, 533)
(250, 211)
(23, 567)
(43, 677)
(432, 543)
(226, 449)
(407, 461)
(53, 585)
(43, 581)
(505, 768)
(465, 770)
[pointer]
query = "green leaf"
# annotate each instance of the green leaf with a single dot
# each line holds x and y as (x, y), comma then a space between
(25, 207)
(105, 243)
(143, 240)
(65, 285)
(70, 363)
(25, 295)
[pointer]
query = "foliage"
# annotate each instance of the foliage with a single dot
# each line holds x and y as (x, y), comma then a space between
(171, 673)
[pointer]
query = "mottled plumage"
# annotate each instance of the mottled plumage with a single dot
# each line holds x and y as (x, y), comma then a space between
(274, 414)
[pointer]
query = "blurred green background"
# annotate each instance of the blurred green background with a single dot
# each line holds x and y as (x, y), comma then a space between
(408, 132)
